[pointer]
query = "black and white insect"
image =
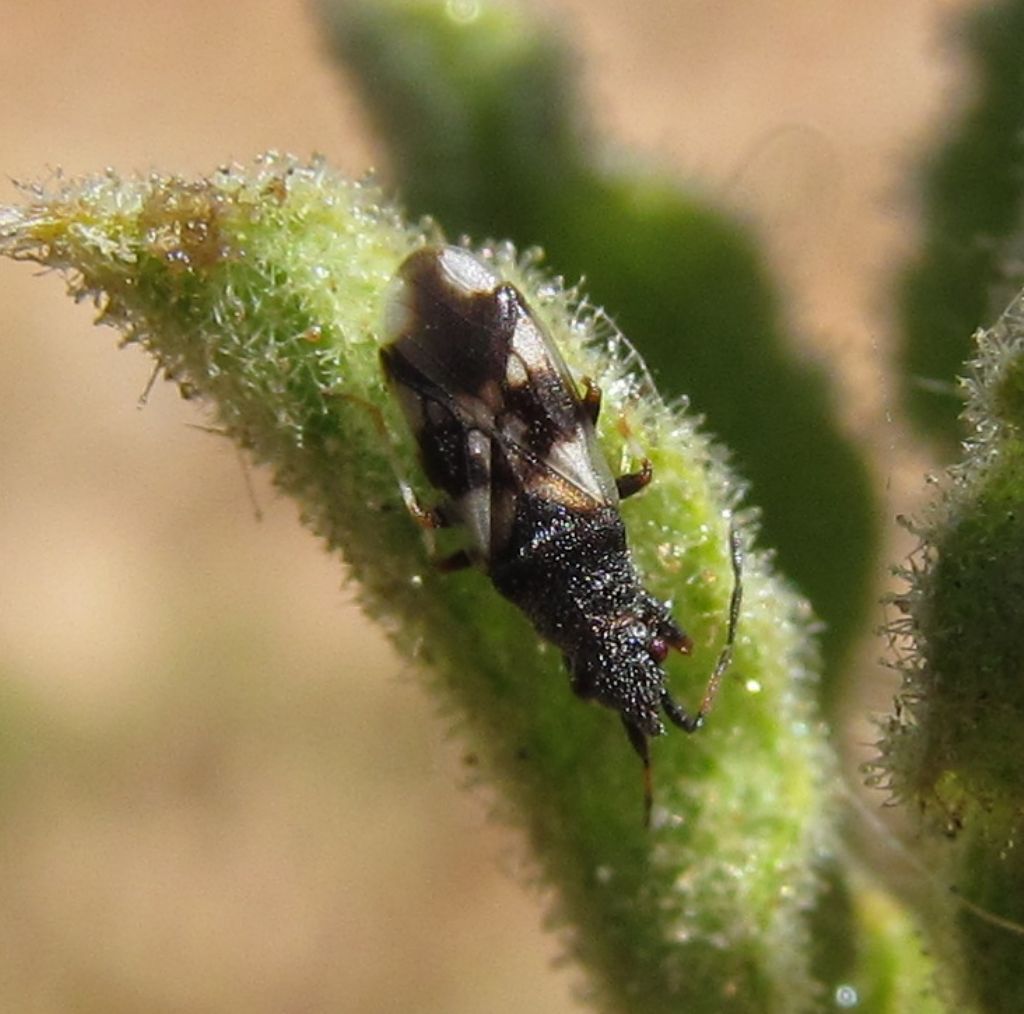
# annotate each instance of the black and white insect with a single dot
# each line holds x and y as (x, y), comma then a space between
(505, 435)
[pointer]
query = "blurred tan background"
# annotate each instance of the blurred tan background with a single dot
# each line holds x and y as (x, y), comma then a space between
(220, 790)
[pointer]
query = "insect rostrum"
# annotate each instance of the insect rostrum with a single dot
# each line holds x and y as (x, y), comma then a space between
(505, 435)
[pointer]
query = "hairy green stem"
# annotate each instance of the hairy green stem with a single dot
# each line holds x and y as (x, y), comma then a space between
(261, 291)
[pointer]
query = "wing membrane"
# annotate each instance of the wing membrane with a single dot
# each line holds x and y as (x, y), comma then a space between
(500, 374)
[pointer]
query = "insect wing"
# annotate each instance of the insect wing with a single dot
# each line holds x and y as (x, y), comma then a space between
(455, 439)
(545, 434)
(488, 396)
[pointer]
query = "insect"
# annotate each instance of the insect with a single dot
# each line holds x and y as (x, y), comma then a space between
(504, 433)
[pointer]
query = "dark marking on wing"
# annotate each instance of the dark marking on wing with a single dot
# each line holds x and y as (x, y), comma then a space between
(455, 350)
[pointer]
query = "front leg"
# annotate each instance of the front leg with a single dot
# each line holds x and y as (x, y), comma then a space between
(679, 716)
(430, 518)
(591, 400)
(629, 484)
(633, 482)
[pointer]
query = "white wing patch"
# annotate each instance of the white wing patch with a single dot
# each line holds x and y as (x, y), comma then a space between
(573, 460)
(515, 372)
(576, 472)
(533, 349)
(474, 506)
(466, 273)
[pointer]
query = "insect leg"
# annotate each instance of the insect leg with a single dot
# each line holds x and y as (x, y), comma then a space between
(428, 518)
(459, 560)
(431, 518)
(633, 482)
(591, 400)
(678, 715)
(639, 743)
(627, 484)
(425, 517)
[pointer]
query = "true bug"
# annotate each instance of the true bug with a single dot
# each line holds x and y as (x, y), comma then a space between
(505, 435)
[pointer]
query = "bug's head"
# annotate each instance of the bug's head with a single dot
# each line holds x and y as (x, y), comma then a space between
(621, 668)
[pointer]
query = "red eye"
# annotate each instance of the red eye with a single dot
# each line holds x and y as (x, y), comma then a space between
(658, 649)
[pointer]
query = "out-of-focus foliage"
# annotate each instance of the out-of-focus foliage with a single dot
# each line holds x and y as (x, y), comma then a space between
(972, 191)
(954, 748)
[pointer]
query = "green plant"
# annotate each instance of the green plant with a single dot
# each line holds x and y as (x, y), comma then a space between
(259, 289)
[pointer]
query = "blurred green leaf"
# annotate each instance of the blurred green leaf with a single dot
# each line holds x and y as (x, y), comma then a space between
(953, 748)
(973, 203)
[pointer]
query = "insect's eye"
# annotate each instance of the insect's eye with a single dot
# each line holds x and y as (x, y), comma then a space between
(658, 649)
